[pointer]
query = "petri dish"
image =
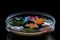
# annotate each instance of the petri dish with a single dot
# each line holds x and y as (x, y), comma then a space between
(30, 23)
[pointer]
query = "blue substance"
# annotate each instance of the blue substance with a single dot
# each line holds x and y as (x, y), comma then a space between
(25, 19)
(48, 21)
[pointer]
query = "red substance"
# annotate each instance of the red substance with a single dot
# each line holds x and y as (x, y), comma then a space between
(45, 29)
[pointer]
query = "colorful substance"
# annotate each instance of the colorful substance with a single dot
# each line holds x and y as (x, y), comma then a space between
(18, 28)
(31, 25)
(48, 21)
(20, 22)
(25, 19)
(31, 18)
(23, 24)
(29, 30)
(39, 21)
(45, 29)
(16, 23)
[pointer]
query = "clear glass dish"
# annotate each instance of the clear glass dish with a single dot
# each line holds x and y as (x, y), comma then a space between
(48, 24)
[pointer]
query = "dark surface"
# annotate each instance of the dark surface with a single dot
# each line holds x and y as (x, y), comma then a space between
(11, 36)
(7, 11)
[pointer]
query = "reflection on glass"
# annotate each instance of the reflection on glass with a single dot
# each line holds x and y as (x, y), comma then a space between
(11, 36)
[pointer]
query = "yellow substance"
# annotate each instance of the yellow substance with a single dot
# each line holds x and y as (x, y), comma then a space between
(39, 20)
(31, 25)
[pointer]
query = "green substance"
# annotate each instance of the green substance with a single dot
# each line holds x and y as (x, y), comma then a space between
(16, 23)
(20, 22)
(28, 30)
(12, 23)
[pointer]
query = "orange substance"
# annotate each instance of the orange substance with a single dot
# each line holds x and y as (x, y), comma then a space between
(39, 20)
(31, 25)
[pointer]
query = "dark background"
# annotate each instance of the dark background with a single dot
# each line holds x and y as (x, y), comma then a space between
(7, 9)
